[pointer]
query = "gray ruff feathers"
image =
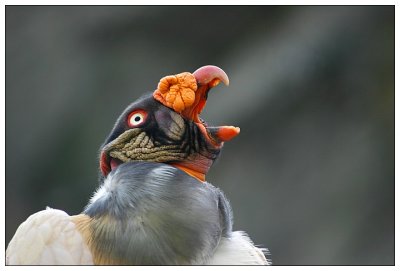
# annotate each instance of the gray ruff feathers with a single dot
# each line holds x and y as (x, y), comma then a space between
(154, 214)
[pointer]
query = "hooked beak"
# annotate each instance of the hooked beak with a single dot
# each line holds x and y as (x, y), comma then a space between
(187, 94)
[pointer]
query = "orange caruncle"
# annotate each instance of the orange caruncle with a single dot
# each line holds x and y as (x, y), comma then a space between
(177, 91)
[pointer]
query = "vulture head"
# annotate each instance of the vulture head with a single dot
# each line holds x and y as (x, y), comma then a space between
(150, 209)
(166, 127)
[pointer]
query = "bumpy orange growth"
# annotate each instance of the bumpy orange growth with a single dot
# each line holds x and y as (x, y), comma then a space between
(177, 91)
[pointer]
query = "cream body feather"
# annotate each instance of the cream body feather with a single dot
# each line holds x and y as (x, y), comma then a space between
(143, 214)
(50, 237)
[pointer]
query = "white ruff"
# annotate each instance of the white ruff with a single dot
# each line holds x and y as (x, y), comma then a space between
(238, 250)
(162, 172)
(103, 190)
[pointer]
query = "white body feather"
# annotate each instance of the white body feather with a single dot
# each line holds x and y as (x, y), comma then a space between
(238, 249)
(50, 237)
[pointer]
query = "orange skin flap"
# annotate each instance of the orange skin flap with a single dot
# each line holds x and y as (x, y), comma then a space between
(177, 91)
(186, 94)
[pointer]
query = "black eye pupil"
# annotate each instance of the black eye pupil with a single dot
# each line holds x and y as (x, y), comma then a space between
(137, 118)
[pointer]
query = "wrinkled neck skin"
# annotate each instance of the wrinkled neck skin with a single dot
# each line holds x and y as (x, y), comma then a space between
(200, 152)
(179, 142)
(154, 214)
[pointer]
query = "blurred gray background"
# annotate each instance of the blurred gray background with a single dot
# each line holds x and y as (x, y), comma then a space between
(311, 175)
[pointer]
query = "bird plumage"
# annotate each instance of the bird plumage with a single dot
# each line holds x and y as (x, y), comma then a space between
(48, 237)
(153, 206)
(143, 214)
(156, 214)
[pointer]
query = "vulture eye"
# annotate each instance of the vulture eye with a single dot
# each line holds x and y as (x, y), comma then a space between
(136, 118)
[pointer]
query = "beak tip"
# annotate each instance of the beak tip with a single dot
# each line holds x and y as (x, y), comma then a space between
(211, 73)
(224, 133)
(226, 81)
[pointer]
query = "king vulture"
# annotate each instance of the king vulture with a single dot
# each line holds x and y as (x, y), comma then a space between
(154, 206)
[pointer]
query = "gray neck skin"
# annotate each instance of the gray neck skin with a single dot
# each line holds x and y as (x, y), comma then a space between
(154, 214)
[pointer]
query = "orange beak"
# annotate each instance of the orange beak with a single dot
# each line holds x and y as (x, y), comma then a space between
(206, 77)
(187, 94)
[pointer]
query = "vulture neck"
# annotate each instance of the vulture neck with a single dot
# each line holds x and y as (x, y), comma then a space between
(151, 214)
